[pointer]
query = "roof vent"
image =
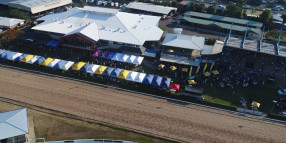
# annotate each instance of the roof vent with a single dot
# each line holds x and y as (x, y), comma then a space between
(118, 29)
(71, 26)
(135, 26)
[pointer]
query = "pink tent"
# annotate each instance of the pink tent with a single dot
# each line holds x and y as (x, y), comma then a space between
(174, 86)
(96, 53)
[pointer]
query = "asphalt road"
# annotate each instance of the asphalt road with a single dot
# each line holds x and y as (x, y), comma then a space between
(184, 122)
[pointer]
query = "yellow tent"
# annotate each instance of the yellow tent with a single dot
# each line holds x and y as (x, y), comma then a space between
(215, 72)
(207, 74)
(78, 66)
(161, 66)
(27, 58)
(184, 69)
(191, 82)
(255, 104)
(170, 51)
(100, 70)
(47, 61)
(123, 74)
(173, 68)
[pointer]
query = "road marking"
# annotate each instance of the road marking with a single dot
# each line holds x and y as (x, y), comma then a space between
(147, 94)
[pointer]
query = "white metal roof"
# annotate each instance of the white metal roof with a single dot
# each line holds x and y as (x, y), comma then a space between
(13, 123)
(151, 7)
(10, 22)
(35, 6)
(184, 41)
(120, 27)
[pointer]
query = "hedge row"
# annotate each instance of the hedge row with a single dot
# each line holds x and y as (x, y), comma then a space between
(142, 88)
(276, 116)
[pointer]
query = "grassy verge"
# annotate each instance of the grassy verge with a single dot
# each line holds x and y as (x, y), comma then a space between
(277, 116)
(54, 128)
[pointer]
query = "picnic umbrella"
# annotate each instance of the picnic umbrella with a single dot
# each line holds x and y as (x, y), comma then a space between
(173, 68)
(100, 69)
(86, 67)
(191, 82)
(123, 74)
(131, 76)
(165, 82)
(53, 63)
(46, 61)
(39, 60)
(108, 71)
(78, 66)
(140, 77)
(12, 55)
(170, 51)
(161, 66)
(148, 79)
(92, 68)
(116, 72)
(207, 74)
(215, 72)
(109, 55)
(67, 65)
(184, 69)
(60, 64)
(156, 81)
(27, 58)
(174, 86)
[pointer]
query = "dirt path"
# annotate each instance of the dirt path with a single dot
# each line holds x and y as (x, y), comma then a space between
(187, 123)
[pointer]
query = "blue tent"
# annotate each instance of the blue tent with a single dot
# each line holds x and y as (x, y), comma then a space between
(40, 60)
(109, 55)
(86, 67)
(148, 79)
(54, 43)
(116, 72)
(108, 71)
(156, 81)
(165, 82)
(60, 64)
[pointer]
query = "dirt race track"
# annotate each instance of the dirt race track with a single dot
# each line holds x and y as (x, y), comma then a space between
(187, 123)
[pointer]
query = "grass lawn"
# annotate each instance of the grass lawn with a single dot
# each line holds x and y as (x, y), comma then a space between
(54, 128)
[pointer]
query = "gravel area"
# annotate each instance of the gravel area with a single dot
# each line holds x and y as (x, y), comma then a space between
(188, 123)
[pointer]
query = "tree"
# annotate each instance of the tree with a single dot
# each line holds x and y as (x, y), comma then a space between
(281, 1)
(234, 11)
(19, 14)
(199, 7)
(265, 16)
(211, 10)
(82, 4)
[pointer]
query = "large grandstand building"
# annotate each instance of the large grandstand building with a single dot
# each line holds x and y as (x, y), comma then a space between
(36, 6)
(92, 28)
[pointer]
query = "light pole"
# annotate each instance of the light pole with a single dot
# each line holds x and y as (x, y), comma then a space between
(274, 101)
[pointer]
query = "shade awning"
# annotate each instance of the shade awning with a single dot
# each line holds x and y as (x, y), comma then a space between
(21, 57)
(131, 76)
(60, 64)
(116, 72)
(108, 71)
(38, 61)
(156, 81)
(53, 63)
(92, 68)
(131, 59)
(78, 66)
(46, 61)
(67, 66)
(109, 55)
(86, 67)
(165, 83)
(140, 77)
(117, 57)
(27, 58)
(123, 74)
(138, 60)
(148, 79)
(100, 69)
